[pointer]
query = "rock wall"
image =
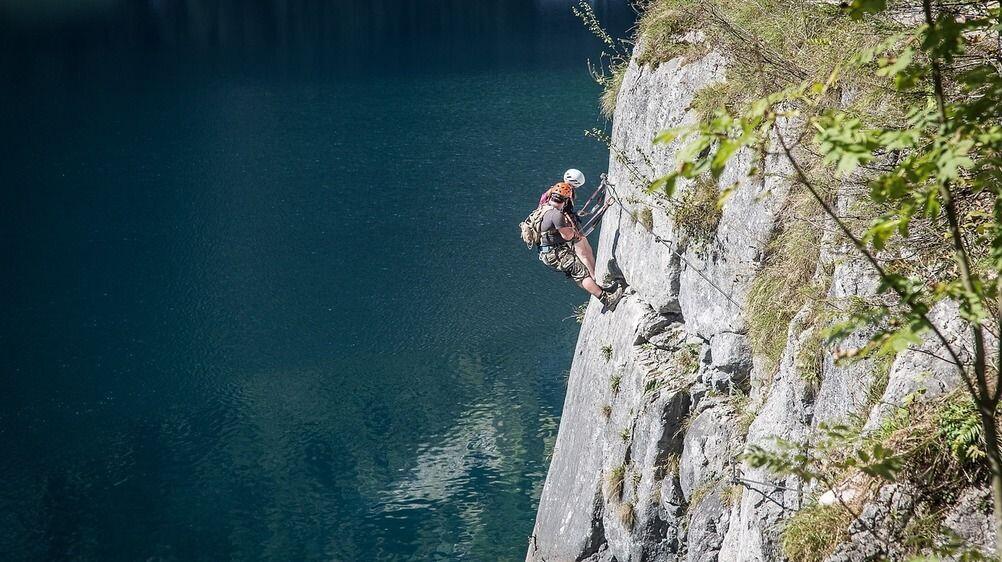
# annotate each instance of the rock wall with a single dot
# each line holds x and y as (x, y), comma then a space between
(661, 391)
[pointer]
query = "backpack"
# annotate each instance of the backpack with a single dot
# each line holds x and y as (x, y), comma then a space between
(530, 226)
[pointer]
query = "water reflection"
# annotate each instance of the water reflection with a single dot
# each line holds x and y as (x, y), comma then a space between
(264, 300)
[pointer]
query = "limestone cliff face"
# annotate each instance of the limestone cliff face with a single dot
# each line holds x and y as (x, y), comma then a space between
(661, 391)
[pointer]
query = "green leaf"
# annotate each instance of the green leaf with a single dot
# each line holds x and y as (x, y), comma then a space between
(724, 152)
(953, 158)
(888, 188)
(843, 142)
(667, 184)
(932, 205)
(893, 65)
(725, 194)
(693, 151)
(944, 40)
(900, 339)
(882, 230)
(668, 135)
(858, 8)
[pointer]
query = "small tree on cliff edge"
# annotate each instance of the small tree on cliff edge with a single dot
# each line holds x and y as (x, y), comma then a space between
(936, 165)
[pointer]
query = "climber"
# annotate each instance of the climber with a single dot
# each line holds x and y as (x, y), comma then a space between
(558, 235)
(574, 178)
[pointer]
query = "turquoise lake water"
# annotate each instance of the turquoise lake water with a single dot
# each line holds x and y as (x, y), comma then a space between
(264, 295)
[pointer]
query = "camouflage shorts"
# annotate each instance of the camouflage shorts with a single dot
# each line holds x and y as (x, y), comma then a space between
(562, 258)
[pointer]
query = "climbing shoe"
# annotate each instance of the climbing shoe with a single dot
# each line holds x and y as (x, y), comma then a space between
(611, 298)
(610, 287)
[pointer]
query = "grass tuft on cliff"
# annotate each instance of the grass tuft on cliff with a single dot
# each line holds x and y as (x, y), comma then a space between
(611, 84)
(783, 285)
(627, 515)
(614, 484)
(814, 532)
(660, 29)
(698, 213)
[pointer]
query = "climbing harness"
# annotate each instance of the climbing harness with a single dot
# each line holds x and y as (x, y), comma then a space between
(665, 243)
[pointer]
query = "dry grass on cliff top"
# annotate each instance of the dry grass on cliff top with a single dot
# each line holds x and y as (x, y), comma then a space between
(768, 43)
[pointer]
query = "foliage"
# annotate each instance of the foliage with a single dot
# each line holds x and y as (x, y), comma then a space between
(922, 531)
(660, 29)
(784, 284)
(699, 493)
(959, 425)
(881, 376)
(686, 359)
(579, 312)
(742, 406)
(927, 444)
(614, 383)
(769, 43)
(611, 67)
(731, 495)
(921, 130)
(606, 352)
(606, 411)
(611, 84)
(814, 532)
(810, 358)
(920, 441)
(943, 151)
(668, 466)
(697, 213)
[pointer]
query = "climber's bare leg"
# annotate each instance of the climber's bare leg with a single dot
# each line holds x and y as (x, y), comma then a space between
(586, 255)
(591, 286)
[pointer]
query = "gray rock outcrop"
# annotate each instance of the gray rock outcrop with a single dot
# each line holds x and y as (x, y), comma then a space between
(665, 394)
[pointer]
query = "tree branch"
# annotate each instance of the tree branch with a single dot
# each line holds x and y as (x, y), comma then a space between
(907, 299)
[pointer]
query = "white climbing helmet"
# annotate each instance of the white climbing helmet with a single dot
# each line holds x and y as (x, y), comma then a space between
(574, 177)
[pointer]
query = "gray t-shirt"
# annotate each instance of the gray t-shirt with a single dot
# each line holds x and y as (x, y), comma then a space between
(552, 220)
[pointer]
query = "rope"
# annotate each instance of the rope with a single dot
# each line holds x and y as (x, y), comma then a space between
(735, 479)
(760, 492)
(743, 481)
(665, 243)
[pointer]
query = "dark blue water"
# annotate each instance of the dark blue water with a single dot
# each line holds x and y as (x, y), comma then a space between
(263, 293)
